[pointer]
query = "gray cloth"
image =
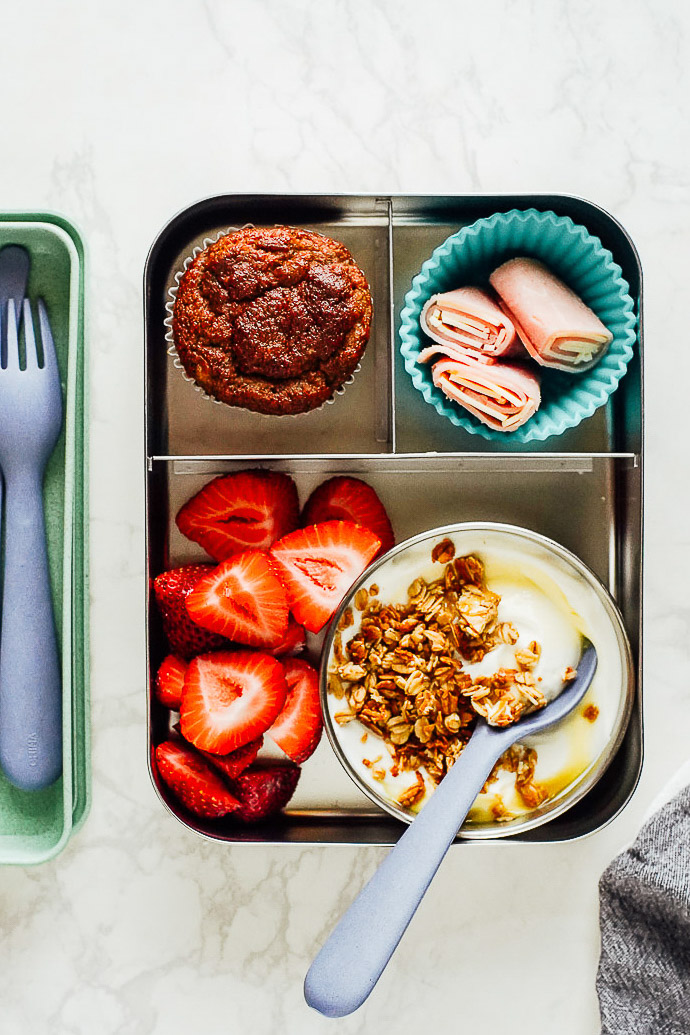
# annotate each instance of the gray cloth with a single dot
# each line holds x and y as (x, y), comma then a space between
(644, 969)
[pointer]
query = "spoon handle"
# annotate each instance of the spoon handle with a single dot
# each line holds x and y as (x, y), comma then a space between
(356, 953)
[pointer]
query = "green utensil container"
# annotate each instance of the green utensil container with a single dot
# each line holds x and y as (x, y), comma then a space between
(35, 826)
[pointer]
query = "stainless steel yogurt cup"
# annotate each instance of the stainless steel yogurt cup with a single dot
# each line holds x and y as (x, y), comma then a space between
(560, 559)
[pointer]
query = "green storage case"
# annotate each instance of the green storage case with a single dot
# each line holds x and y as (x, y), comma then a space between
(35, 826)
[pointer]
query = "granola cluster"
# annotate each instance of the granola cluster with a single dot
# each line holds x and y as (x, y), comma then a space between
(402, 675)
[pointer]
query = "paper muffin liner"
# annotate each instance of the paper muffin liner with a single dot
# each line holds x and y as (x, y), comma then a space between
(177, 362)
(574, 255)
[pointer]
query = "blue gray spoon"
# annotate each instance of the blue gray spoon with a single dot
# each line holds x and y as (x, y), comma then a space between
(357, 952)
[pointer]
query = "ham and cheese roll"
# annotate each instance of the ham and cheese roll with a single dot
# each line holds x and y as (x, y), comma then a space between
(554, 324)
(501, 395)
(471, 322)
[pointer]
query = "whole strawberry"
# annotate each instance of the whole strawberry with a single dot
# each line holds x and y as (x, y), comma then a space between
(171, 590)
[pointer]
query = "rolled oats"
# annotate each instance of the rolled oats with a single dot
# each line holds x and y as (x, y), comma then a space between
(452, 722)
(443, 552)
(413, 794)
(522, 761)
(528, 656)
(346, 619)
(403, 677)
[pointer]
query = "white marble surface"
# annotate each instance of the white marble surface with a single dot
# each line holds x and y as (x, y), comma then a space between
(119, 114)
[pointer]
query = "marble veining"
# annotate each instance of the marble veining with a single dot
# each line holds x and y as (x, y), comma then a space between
(119, 115)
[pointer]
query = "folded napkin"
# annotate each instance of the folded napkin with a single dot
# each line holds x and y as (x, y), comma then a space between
(644, 968)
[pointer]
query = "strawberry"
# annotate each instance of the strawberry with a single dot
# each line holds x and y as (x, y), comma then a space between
(350, 499)
(193, 781)
(294, 641)
(169, 681)
(234, 763)
(318, 565)
(171, 590)
(264, 789)
(229, 699)
(298, 728)
(242, 599)
(247, 510)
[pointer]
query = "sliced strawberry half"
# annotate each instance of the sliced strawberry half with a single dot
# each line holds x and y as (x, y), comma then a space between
(234, 763)
(193, 781)
(247, 510)
(169, 681)
(242, 599)
(295, 640)
(230, 698)
(264, 789)
(171, 590)
(298, 728)
(318, 565)
(350, 499)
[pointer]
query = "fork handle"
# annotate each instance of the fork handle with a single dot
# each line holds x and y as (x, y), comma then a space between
(30, 680)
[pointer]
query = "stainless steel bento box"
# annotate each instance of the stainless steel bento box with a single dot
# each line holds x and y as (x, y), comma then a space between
(582, 489)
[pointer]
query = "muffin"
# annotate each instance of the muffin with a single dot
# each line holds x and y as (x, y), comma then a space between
(272, 319)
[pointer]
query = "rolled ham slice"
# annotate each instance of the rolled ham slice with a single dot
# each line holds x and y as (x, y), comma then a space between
(501, 395)
(554, 324)
(471, 322)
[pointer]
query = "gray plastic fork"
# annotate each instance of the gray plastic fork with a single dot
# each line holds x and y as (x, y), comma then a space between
(30, 681)
(15, 263)
(356, 953)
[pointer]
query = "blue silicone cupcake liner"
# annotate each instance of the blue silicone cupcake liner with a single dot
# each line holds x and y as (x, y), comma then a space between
(574, 255)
